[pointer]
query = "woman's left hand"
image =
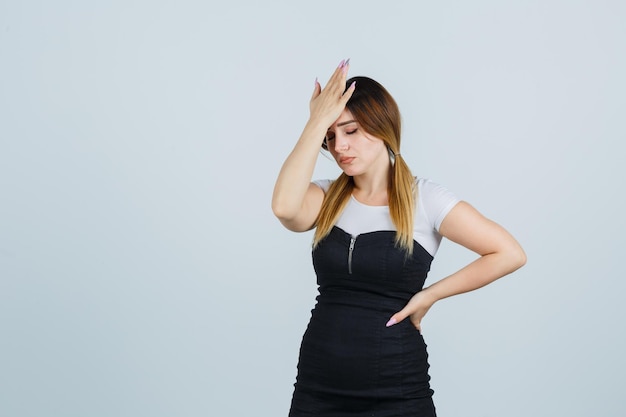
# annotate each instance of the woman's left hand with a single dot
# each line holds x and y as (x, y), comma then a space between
(415, 310)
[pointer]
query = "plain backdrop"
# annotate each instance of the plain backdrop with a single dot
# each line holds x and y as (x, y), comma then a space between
(142, 272)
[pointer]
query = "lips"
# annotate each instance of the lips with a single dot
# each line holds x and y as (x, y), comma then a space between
(346, 159)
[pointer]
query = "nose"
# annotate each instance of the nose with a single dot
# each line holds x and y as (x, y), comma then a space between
(341, 143)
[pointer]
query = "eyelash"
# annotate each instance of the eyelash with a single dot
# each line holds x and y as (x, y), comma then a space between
(329, 138)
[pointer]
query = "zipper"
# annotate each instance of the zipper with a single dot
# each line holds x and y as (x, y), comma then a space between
(350, 250)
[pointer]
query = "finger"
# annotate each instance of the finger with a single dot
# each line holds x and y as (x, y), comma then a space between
(346, 67)
(317, 90)
(397, 318)
(346, 96)
(418, 326)
(337, 79)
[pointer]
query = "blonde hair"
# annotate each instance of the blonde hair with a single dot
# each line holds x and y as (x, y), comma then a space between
(377, 113)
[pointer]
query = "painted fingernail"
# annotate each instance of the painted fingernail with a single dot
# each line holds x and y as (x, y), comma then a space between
(345, 66)
(316, 81)
(353, 84)
(391, 322)
(342, 63)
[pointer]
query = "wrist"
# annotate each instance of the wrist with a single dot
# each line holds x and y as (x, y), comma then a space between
(318, 123)
(314, 130)
(429, 295)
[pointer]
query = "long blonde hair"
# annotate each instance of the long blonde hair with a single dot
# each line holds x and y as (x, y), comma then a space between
(377, 113)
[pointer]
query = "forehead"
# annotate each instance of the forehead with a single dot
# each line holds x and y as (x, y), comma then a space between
(345, 116)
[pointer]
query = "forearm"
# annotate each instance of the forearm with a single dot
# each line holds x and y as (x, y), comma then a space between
(477, 274)
(294, 202)
(297, 171)
(500, 254)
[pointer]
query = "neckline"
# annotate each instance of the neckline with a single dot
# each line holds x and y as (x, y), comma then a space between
(417, 247)
(367, 205)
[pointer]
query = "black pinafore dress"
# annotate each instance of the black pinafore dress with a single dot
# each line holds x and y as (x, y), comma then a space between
(351, 364)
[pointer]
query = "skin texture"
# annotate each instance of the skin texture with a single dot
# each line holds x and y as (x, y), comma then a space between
(361, 156)
(500, 254)
(296, 202)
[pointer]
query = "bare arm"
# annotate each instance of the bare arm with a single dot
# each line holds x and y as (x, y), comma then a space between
(500, 254)
(296, 202)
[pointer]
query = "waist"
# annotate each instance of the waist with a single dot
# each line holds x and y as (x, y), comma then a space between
(374, 299)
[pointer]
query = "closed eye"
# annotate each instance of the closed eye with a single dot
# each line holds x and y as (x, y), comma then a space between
(351, 132)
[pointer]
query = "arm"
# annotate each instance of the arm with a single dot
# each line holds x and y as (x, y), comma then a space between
(296, 202)
(500, 254)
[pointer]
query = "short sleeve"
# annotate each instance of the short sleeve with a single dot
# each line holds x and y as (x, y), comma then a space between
(436, 201)
(323, 184)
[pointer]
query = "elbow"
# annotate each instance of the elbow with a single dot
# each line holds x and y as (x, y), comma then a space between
(521, 260)
(517, 258)
(291, 218)
(281, 211)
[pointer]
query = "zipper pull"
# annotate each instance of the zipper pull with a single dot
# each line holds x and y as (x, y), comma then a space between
(350, 250)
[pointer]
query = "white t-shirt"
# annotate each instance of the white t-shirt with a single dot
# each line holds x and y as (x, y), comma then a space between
(434, 202)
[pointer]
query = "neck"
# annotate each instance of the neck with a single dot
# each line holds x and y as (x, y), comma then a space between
(371, 186)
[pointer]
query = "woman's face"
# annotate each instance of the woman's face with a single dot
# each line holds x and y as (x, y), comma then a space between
(355, 151)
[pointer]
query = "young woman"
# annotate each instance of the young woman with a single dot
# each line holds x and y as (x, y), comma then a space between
(377, 230)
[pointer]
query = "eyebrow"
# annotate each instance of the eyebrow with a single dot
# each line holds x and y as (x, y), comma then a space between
(345, 123)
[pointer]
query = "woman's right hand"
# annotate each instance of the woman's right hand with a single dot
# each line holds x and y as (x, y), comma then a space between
(327, 104)
(296, 201)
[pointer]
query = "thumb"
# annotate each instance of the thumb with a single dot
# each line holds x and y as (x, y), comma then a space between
(397, 318)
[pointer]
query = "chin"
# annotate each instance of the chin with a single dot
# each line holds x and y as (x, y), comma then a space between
(351, 172)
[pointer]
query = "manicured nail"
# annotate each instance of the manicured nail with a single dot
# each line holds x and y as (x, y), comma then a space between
(345, 64)
(353, 84)
(391, 322)
(341, 64)
(316, 81)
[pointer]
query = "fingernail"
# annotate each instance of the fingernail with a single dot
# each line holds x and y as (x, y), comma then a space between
(346, 63)
(341, 64)
(353, 84)
(316, 81)
(391, 322)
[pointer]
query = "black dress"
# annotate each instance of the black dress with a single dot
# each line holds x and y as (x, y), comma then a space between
(351, 364)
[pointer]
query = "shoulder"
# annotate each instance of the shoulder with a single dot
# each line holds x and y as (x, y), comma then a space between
(323, 184)
(435, 201)
(428, 185)
(429, 189)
